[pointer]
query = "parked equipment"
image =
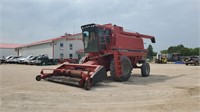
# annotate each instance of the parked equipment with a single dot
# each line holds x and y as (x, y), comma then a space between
(109, 48)
(161, 58)
(193, 60)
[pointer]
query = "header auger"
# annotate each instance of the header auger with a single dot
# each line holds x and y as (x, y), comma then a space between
(108, 48)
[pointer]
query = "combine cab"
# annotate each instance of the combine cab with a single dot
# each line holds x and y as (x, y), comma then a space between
(109, 48)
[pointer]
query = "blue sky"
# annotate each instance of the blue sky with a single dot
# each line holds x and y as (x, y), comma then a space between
(172, 22)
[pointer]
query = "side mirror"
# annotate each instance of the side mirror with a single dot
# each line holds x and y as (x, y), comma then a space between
(153, 40)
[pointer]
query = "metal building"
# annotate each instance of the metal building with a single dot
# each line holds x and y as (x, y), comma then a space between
(64, 47)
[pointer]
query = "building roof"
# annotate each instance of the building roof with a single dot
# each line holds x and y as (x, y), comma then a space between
(9, 45)
(69, 37)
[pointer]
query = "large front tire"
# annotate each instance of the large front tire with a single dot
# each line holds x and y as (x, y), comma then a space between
(126, 69)
(145, 69)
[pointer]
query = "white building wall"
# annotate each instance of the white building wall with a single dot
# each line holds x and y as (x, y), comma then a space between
(7, 51)
(36, 50)
(55, 51)
(65, 50)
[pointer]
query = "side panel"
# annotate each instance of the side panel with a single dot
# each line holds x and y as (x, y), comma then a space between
(129, 43)
(99, 75)
(37, 50)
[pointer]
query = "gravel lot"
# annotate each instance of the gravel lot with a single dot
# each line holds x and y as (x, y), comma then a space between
(169, 88)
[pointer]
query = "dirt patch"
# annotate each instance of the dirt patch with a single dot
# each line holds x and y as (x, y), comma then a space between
(192, 91)
(169, 88)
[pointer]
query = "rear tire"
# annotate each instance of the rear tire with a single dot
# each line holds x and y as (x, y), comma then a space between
(145, 69)
(126, 69)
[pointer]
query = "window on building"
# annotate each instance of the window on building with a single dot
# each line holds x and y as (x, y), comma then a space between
(61, 55)
(70, 56)
(70, 46)
(61, 45)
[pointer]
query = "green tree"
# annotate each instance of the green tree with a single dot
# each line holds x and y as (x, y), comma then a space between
(196, 51)
(150, 53)
(155, 53)
(182, 50)
(164, 51)
(176, 49)
(185, 52)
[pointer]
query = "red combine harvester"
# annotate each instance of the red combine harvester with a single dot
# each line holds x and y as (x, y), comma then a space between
(108, 48)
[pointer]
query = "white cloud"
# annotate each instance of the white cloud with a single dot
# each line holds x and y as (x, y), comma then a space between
(171, 21)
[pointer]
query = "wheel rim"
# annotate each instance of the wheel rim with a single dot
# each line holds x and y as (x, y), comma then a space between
(126, 69)
(87, 85)
(147, 70)
(38, 78)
